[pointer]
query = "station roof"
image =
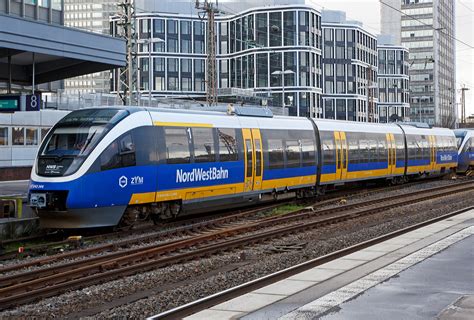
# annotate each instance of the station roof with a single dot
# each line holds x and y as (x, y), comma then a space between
(60, 52)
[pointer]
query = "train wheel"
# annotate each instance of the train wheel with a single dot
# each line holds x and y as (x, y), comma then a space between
(129, 218)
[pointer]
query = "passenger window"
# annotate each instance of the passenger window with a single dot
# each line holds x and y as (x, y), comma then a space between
(309, 152)
(292, 154)
(353, 142)
(275, 154)
(328, 148)
(177, 145)
(119, 154)
(203, 140)
(227, 145)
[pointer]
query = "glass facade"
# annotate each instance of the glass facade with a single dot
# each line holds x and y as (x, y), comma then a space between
(393, 83)
(349, 73)
(425, 27)
(273, 52)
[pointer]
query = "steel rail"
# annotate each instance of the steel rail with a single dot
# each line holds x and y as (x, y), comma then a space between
(152, 258)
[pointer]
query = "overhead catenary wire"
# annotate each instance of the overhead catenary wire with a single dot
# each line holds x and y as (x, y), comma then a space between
(428, 25)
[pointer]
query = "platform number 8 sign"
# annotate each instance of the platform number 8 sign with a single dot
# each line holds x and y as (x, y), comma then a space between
(33, 102)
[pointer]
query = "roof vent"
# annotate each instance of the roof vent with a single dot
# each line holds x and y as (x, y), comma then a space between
(249, 111)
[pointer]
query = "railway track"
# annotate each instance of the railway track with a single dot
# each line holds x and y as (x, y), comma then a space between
(29, 286)
(51, 248)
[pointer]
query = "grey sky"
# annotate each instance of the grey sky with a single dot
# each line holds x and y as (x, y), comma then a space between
(368, 12)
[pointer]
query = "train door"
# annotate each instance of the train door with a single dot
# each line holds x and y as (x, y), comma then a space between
(341, 155)
(391, 150)
(432, 141)
(344, 155)
(249, 159)
(258, 159)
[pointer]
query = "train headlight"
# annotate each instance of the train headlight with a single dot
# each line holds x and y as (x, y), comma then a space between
(38, 200)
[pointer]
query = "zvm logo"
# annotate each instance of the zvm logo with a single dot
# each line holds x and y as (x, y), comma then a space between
(123, 181)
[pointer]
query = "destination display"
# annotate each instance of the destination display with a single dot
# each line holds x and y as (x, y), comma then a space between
(9, 103)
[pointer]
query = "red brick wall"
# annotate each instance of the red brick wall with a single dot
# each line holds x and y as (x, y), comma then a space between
(15, 173)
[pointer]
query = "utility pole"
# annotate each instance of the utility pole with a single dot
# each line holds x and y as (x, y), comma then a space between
(463, 104)
(209, 10)
(126, 29)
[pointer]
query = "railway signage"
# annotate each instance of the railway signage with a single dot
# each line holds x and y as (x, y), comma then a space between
(199, 174)
(9, 103)
(33, 102)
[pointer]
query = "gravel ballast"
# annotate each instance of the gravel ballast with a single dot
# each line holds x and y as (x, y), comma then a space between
(162, 289)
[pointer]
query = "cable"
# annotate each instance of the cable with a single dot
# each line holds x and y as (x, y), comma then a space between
(428, 25)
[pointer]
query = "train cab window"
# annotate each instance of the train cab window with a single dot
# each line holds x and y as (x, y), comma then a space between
(275, 154)
(227, 145)
(203, 141)
(177, 145)
(120, 153)
(309, 152)
(292, 151)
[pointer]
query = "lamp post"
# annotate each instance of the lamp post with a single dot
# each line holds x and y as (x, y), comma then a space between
(282, 73)
(149, 42)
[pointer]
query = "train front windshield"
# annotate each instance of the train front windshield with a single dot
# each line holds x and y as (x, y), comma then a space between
(69, 143)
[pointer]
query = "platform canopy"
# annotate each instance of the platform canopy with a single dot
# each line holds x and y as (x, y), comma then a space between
(54, 52)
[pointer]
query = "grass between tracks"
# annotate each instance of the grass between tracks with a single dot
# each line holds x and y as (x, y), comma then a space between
(286, 208)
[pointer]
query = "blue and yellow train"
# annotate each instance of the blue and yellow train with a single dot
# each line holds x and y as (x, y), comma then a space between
(465, 138)
(106, 166)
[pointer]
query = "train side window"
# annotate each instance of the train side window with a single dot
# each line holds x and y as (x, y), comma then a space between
(177, 145)
(146, 141)
(353, 144)
(400, 147)
(248, 147)
(119, 154)
(328, 148)
(227, 145)
(203, 141)
(275, 154)
(127, 151)
(292, 151)
(309, 152)
(258, 158)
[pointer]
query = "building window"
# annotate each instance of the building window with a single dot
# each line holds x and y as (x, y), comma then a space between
(275, 29)
(289, 28)
(18, 136)
(31, 136)
(262, 25)
(262, 70)
(3, 136)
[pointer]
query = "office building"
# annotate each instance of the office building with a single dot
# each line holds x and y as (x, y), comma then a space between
(426, 28)
(272, 52)
(393, 82)
(93, 16)
(349, 69)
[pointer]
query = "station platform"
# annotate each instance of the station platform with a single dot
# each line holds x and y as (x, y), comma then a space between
(14, 188)
(424, 274)
(16, 218)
